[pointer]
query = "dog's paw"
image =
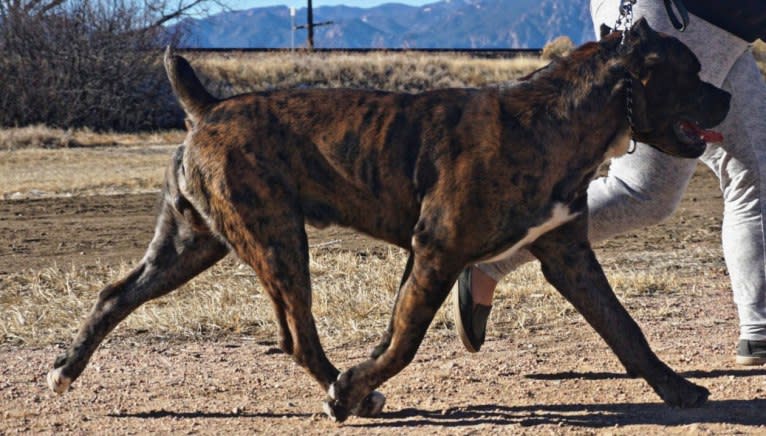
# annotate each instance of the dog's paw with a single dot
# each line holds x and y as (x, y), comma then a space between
(57, 382)
(684, 394)
(693, 396)
(332, 407)
(371, 406)
(334, 410)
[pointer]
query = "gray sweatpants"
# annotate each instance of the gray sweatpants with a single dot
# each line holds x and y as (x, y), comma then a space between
(645, 187)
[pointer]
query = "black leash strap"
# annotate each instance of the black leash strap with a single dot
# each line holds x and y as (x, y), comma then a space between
(681, 24)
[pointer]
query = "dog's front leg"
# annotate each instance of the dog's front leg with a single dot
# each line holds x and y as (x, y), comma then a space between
(569, 264)
(385, 340)
(421, 296)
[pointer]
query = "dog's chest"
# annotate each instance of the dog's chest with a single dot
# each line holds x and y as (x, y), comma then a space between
(560, 214)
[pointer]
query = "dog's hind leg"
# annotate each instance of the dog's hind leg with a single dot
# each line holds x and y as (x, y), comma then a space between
(570, 265)
(261, 218)
(179, 251)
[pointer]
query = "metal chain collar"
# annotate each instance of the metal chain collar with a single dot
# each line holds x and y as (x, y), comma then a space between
(624, 23)
(628, 81)
(625, 18)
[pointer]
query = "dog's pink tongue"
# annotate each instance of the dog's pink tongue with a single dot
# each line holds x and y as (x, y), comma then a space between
(709, 136)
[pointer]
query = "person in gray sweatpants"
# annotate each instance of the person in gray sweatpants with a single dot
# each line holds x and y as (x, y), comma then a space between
(645, 187)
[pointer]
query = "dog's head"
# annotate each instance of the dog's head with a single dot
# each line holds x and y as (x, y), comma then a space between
(672, 107)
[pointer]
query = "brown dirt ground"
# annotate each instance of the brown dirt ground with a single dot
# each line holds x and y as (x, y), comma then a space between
(558, 378)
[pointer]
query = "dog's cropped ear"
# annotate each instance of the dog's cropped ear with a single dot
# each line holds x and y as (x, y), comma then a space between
(641, 30)
(636, 55)
(604, 30)
(608, 38)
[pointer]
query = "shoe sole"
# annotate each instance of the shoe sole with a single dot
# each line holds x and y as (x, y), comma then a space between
(459, 321)
(750, 360)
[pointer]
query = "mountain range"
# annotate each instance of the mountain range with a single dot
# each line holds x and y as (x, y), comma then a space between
(443, 24)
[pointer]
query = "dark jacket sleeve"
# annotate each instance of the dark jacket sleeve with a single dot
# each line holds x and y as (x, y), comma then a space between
(744, 18)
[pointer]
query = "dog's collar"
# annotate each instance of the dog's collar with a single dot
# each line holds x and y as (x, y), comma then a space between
(628, 83)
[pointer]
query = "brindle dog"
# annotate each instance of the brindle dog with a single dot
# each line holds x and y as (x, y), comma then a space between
(454, 176)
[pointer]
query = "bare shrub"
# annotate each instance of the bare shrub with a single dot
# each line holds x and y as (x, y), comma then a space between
(558, 47)
(72, 63)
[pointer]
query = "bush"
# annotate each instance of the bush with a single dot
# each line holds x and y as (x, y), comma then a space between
(81, 63)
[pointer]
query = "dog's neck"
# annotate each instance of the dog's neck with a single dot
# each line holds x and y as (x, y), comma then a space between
(592, 80)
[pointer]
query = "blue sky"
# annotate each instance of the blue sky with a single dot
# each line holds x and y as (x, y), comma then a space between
(247, 4)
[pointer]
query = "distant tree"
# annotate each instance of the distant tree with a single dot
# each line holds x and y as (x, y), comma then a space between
(558, 47)
(94, 63)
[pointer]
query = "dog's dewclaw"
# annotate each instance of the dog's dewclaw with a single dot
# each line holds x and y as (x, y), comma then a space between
(57, 382)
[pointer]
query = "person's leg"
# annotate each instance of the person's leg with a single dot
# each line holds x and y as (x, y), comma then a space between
(740, 164)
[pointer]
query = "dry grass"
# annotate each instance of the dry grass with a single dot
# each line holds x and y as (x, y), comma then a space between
(38, 172)
(352, 296)
(46, 137)
(232, 74)
(353, 293)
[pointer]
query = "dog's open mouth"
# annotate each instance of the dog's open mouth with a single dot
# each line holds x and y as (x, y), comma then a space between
(689, 132)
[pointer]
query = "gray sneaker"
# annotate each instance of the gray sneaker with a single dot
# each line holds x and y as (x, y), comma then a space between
(751, 352)
(470, 319)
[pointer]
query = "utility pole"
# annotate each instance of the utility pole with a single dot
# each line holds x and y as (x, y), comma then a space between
(292, 28)
(310, 24)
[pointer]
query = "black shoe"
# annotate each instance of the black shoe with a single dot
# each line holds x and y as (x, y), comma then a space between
(751, 352)
(470, 319)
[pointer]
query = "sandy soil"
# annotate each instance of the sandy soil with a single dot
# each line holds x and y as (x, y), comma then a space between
(559, 378)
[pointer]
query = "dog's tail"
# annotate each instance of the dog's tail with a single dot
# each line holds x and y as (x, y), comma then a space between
(193, 97)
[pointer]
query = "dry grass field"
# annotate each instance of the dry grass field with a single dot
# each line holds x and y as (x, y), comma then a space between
(77, 210)
(409, 72)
